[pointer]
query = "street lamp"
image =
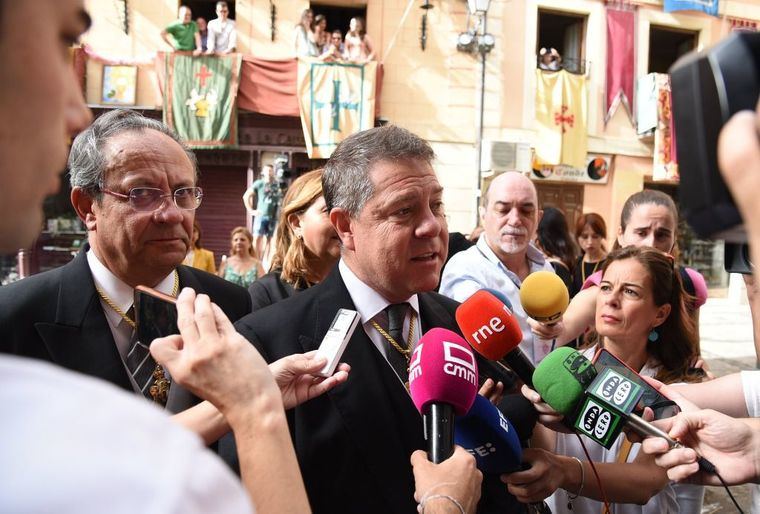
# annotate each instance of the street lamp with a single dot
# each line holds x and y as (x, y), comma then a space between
(478, 41)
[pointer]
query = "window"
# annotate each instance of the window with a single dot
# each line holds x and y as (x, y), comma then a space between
(339, 17)
(565, 33)
(666, 45)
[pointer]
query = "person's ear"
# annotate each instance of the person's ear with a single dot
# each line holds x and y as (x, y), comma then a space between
(294, 221)
(343, 225)
(663, 311)
(83, 205)
(620, 237)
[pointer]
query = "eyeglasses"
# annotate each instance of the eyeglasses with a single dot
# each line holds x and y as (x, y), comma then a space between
(146, 199)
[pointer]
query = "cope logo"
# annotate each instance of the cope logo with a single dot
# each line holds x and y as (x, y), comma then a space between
(459, 362)
(616, 389)
(596, 420)
(415, 370)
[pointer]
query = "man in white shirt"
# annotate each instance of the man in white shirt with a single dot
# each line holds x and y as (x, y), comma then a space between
(504, 255)
(221, 32)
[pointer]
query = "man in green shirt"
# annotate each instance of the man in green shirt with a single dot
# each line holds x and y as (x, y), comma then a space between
(184, 32)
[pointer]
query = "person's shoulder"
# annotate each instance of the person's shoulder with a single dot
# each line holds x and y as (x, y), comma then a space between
(30, 291)
(73, 457)
(270, 318)
(174, 25)
(448, 303)
(233, 299)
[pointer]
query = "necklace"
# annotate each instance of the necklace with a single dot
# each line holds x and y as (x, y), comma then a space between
(403, 351)
(124, 315)
(583, 270)
(159, 391)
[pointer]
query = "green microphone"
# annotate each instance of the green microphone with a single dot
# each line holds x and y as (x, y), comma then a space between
(562, 377)
(562, 380)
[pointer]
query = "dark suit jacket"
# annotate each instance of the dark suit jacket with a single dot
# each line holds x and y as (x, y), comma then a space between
(353, 443)
(269, 289)
(56, 316)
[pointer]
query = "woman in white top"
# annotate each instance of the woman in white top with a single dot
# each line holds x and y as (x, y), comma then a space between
(642, 319)
(359, 48)
(305, 44)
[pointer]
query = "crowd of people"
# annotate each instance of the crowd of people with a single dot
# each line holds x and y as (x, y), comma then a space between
(101, 421)
(312, 37)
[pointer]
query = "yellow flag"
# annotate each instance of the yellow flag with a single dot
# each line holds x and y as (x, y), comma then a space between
(561, 118)
(335, 101)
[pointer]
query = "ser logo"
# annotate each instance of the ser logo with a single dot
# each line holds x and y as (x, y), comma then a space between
(459, 362)
(596, 420)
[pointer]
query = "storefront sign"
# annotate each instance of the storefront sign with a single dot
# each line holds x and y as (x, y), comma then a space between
(597, 171)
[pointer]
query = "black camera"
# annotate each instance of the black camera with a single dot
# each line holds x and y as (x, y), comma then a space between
(707, 89)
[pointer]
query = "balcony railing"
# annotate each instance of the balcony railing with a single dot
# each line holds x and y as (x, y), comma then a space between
(577, 66)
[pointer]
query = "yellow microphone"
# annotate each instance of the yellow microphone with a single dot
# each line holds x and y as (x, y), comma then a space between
(544, 296)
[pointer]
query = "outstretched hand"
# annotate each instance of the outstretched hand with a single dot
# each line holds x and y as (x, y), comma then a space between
(295, 376)
(211, 359)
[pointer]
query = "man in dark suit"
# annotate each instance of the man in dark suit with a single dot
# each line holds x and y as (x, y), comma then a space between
(78, 316)
(354, 443)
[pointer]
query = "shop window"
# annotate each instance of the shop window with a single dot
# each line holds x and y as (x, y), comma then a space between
(666, 45)
(566, 33)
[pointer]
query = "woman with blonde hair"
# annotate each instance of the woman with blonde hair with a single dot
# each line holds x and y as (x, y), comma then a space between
(307, 246)
(241, 267)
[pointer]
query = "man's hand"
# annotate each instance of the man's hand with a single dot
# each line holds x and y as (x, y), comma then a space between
(539, 481)
(547, 416)
(212, 360)
(457, 477)
(494, 391)
(197, 52)
(295, 377)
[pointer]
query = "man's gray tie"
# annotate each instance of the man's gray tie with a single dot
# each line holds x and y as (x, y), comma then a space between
(400, 362)
(140, 362)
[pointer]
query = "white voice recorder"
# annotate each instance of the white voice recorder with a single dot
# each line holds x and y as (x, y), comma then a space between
(336, 339)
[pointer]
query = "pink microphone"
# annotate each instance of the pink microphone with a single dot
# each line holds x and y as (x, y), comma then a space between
(443, 381)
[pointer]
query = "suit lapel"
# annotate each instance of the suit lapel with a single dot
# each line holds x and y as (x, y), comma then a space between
(374, 406)
(80, 338)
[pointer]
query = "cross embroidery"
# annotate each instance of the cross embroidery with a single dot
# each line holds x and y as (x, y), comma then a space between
(336, 105)
(203, 74)
(560, 118)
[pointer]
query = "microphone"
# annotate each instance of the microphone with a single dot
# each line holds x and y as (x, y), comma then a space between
(443, 382)
(489, 437)
(544, 298)
(597, 407)
(489, 326)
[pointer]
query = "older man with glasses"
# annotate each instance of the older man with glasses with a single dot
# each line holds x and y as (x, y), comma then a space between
(134, 187)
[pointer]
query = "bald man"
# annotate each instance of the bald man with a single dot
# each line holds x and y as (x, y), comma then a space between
(504, 254)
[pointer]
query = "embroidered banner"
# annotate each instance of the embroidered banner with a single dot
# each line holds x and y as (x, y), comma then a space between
(335, 100)
(620, 61)
(665, 163)
(561, 117)
(706, 6)
(199, 102)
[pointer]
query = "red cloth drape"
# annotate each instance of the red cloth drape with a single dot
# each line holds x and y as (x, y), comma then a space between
(268, 87)
(620, 60)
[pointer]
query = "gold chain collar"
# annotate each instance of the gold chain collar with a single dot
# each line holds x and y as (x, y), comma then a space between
(124, 316)
(403, 351)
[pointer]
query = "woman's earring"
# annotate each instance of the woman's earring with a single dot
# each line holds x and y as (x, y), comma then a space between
(653, 336)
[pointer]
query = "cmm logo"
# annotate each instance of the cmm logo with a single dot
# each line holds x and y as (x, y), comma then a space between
(459, 362)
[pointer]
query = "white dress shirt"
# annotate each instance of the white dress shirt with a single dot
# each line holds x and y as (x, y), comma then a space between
(221, 35)
(371, 305)
(123, 296)
(479, 267)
